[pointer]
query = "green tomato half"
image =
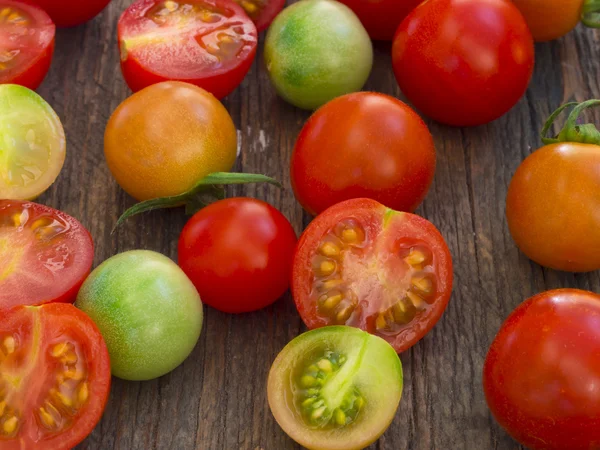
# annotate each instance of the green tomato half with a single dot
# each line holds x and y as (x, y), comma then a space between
(317, 50)
(148, 311)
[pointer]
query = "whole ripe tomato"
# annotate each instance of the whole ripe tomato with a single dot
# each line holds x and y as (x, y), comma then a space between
(262, 12)
(238, 253)
(147, 310)
(209, 43)
(553, 207)
(164, 139)
(54, 377)
(69, 13)
(464, 62)
(364, 265)
(541, 373)
(26, 43)
(363, 145)
(381, 18)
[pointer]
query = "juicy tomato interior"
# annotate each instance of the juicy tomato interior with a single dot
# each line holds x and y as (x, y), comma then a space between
(210, 43)
(262, 12)
(363, 265)
(44, 254)
(26, 43)
(54, 377)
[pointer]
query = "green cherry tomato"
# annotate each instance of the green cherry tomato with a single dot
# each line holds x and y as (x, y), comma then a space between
(317, 50)
(148, 311)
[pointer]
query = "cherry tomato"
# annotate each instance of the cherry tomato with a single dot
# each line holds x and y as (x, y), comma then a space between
(54, 377)
(365, 265)
(26, 43)
(140, 148)
(238, 253)
(45, 254)
(262, 12)
(381, 18)
(209, 43)
(69, 13)
(464, 62)
(541, 373)
(363, 145)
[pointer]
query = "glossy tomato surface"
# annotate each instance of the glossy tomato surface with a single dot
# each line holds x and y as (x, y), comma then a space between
(262, 12)
(26, 43)
(363, 145)
(381, 18)
(553, 207)
(68, 13)
(54, 377)
(365, 265)
(541, 373)
(550, 19)
(464, 62)
(163, 140)
(238, 253)
(209, 43)
(45, 254)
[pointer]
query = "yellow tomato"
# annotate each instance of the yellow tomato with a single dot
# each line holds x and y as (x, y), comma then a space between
(550, 19)
(165, 138)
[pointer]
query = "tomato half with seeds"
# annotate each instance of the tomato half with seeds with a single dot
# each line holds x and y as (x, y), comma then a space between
(45, 254)
(54, 377)
(209, 43)
(26, 43)
(335, 388)
(262, 12)
(69, 13)
(365, 265)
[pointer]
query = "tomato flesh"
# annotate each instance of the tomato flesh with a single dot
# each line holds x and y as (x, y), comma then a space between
(47, 251)
(363, 265)
(26, 43)
(262, 12)
(54, 377)
(209, 43)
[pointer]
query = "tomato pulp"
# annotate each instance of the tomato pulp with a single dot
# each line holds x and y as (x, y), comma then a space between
(45, 250)
(54, 377)
(209, 43)
(69, 13)
(541, 373)
(26, 43)
(362, 264)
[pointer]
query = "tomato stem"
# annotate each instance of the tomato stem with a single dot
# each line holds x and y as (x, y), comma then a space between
(572, 132)
(590, 15)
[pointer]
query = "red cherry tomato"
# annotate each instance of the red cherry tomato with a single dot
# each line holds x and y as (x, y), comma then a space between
(541, 373)
(262, 12)
(209, 43)
(238, 253)
(381, 18)
(69, 13)
(54, 377)
(365, 265)
(363, 145)
(45, 254)
(464, 62)
(26, 43)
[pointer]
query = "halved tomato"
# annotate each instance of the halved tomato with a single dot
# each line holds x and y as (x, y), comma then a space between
(262, 12)
(209, 43)
(26, 43)
(45, 254)
(54, 377)
(365, 265)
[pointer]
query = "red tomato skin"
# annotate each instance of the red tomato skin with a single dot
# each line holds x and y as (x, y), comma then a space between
(464, 62)
(238, 253)
(70, 13)
(541, 373)
(347, 147)
(267, 15)
(381, 18)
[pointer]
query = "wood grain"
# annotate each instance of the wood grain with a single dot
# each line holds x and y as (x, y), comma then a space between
(217, 399)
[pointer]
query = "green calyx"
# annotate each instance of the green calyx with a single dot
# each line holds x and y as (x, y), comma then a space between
(590, 14)
(207, 190)
(573, 132)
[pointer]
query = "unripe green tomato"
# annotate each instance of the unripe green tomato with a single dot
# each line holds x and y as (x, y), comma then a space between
(317, 50)
(148, 311)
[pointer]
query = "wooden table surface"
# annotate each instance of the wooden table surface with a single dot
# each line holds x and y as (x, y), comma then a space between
(217, 398)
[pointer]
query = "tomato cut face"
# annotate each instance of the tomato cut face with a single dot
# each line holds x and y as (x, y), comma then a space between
(262, 12)
(47, 251)
(209, 43)
(54, 377)
(26, 43)
(364, 265)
